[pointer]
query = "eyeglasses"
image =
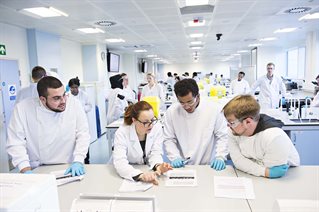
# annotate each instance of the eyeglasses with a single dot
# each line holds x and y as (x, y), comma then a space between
(189, 103)
(235, 123)
(149, 123)
(59, 98)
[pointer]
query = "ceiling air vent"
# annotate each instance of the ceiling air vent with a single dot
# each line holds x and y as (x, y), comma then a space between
(197, 9)
(105, 23)
(296, 10)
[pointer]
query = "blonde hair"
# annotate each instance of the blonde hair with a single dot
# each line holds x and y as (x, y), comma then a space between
(242, 106)
(151, 75)
(134, 110)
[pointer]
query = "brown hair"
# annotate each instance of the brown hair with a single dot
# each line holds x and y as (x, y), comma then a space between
(134, 110)
(242, 106)
(271, 64)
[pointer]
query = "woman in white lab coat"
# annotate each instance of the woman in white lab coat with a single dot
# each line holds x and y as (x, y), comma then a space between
(315, 102)
(139, 141)
(152, 88)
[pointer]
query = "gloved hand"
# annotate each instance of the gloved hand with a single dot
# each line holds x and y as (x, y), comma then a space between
(76, 169)
(177, 163)
(278, 171)
(28, 172)
(218, 164)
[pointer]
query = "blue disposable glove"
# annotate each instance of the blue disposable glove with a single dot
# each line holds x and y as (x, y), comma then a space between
(76, 169)
(218, 164)
(278, 171)
(177, 163)
(28, 172)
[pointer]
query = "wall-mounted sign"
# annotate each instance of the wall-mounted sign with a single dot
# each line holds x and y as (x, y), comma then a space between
(12, 92)
(2, 49)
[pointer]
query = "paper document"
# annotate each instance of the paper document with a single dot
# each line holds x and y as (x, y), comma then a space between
(234, 187)
(132, 186)
(62, 179)
(181, 178)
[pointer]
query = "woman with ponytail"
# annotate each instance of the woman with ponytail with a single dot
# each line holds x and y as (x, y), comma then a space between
(139, 141)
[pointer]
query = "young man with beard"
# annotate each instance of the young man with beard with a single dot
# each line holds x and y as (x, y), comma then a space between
(257, 144)
(50, 129)
(194, 129)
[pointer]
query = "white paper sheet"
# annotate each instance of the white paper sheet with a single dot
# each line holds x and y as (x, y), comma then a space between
(234, 187)
(181, 178)
(132, 186)
(62, 179)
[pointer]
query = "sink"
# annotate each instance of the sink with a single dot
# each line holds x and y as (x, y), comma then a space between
(304, 120)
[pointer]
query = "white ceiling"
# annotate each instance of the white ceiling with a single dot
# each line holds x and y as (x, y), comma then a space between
(158, 25)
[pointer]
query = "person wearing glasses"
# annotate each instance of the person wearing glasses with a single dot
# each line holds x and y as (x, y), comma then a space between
(271, 89)
(257, 144)
(139, 141)
(195, 130)
(51, 129)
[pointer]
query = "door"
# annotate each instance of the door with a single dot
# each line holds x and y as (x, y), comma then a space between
(9, 85)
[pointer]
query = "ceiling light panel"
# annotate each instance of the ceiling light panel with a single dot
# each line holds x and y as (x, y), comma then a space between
(310, 16)
(140, 50)
(196, 2)
(268, 39)
(43, 12)
(90, 30)
(196, 42)
(114, 40)
(283, 30)
(197, 35)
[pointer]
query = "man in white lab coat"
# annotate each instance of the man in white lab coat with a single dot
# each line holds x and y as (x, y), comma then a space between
(31, 91)
(257, 144)
(239, 85)
(194, 129)
(271, 89)
(50, 129)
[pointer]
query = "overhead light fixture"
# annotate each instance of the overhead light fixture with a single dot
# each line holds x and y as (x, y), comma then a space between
(196, 23)
(283, 30)
(196, 42)
(196, 53)
(235, 54)
(310, 16)
(151, 55)
(114, 40)
(140, 50)
(196, 2)
(268, 39)
(254, 44)
(90, 30)
(156, 58)
(242, 51)
(196, 35)
(43, 12)
(196, 47)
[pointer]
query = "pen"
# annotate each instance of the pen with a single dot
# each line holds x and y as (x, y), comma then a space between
(186, 160)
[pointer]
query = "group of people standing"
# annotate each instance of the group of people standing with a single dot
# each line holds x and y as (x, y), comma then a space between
(53, 128)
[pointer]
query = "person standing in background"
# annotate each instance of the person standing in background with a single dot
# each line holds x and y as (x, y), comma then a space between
(152, 88)
(195, 77)
(271, 89)
(170, 80)
(315, 102)
(128, 91)
(239, 85)
(50, 129)
(82, 96)
(31, 91)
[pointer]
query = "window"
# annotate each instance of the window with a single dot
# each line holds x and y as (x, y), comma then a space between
(296, 63)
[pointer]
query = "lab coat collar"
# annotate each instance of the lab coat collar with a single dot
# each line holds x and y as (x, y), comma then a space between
(44, 109)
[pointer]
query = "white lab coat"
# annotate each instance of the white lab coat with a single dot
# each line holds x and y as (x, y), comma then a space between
(239, 87)
(116, 106)
(84, 99)
(127, 150)
(129, 94)
(269, 95)
(201, 135)
(27, 92)
(39, 136)
(268, 148)
(315, 101)
(156, 90)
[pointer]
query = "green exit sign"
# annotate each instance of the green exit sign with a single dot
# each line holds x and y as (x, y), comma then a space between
(2, 49)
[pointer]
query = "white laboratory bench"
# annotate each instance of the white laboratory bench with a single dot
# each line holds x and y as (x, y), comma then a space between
(103, 179)
(300, 183)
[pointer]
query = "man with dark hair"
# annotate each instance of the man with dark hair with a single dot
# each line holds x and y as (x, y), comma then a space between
(195, 130)
(256, 142)
(239, 85)
(50, 129)
(31, 91)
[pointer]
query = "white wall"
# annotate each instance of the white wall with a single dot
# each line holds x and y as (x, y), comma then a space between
(71, 60)
(204, 68)
(312, 59)
(15, 40)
